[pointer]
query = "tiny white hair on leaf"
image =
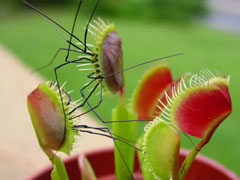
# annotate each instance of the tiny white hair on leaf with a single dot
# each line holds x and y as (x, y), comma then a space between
(96, 22)
(98, 93)
(93, 33)
(159, 100)
(63, 85)
(169, 100)
(86, 69)
(54, 85)
(163, 111)
(101, 21)
(77, 101)
(174, 93)
(95, 28)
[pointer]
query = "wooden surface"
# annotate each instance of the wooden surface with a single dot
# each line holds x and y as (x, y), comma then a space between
(20, 155)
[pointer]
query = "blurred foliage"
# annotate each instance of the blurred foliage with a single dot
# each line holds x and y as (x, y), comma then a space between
(176, 10)
(165, 10)
(6, 6)
(50, 2)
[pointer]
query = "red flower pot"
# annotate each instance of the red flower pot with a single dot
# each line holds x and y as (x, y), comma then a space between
(103, 164)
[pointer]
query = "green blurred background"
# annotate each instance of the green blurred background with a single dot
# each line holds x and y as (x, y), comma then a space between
(149, 29)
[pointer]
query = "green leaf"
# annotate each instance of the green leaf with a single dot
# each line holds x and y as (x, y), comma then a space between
(124, 153)
(59, 171)
(162, 144)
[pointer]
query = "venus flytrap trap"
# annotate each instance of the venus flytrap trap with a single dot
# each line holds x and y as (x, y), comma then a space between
(108, 59)
(149, 89)
(161, 144)
(52, 124)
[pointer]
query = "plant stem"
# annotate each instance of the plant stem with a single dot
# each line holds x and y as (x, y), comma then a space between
(175, 174)
(191, 156)
(124, 153)
(59, 171)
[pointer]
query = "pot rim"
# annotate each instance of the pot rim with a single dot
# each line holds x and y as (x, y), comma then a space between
(200, 158)
(214, 164)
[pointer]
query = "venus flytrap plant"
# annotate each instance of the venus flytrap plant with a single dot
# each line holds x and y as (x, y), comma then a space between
(200, 109)
(195, 105)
